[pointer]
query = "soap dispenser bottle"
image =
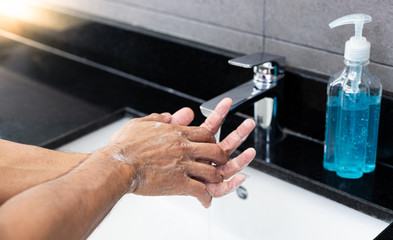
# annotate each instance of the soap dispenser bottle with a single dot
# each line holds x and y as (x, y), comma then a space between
(352, 116)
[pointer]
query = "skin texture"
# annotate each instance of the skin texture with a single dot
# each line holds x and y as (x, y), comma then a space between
(24, 166)
(70, 206)
(142, 142)
(155, 155)
(229, 144)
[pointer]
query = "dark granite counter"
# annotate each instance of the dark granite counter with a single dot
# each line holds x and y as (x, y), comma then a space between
(56, 86)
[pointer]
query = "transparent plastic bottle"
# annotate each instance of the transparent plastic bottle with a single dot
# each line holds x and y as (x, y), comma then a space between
(353, 105)
(351, 141)
(333, 110)
(375, 107)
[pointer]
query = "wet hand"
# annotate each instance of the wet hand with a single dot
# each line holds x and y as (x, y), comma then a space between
(229, 145)
(166, 158)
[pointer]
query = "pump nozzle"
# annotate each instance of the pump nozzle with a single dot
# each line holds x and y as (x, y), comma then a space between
(357, 48)
(357, 19)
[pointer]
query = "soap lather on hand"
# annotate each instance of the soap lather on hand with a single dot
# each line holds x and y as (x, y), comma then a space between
(183, 167)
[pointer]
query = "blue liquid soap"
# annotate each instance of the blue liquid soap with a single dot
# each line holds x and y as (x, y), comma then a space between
(372, 139)
(332, 116)
(354, 98)
(352, 135)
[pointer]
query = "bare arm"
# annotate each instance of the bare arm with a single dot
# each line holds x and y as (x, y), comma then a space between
(71, 206)
(24, 166)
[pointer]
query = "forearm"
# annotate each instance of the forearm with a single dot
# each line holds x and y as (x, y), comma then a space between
(24, 166)
(71, 206)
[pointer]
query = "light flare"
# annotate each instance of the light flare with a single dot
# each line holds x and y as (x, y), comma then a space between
(16, 8)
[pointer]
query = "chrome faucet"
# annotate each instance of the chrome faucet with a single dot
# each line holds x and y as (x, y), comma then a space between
(268, 70)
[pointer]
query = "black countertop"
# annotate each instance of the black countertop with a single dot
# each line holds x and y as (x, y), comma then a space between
(44, 96)
(50, 95)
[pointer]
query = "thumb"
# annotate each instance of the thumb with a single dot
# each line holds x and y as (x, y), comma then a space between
(182, 117)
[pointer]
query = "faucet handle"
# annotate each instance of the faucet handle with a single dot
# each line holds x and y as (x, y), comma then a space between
(256, 59)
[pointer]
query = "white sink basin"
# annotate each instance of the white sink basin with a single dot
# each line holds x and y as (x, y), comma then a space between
(273, 209)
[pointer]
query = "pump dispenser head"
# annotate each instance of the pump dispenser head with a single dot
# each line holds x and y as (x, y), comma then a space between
(357, 48)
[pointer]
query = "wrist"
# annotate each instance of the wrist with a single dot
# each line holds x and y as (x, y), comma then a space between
(113, 158)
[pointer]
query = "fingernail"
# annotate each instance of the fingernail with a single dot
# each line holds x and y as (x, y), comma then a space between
(254, 152)
(249, 123)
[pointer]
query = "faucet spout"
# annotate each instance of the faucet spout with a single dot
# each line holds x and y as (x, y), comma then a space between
(242, 96)
(268, 70)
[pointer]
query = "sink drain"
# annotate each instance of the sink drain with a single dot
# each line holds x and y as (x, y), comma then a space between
(242, 192)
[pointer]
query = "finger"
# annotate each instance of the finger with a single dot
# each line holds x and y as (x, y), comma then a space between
(164, 118)
(215, 119)
(223, 188)
(198, 190)
(197, 134)
(182, 117)
(237, 164)
(237, 137)
(166, 114)
(202, 171)
(208, 151)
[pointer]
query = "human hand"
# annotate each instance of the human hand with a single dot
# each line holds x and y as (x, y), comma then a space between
(164, 157)
(229, 145)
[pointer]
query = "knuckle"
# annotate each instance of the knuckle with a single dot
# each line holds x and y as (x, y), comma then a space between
(205, 132)
(227, 156)
(134, 120)
(216, 150)
(224, 170)
(208, 135)
(221, 153)
(185, 146)
(176, 130)
(202, 190)
(211, 173)
(207, 125)
(154, 115)
(214, 175)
